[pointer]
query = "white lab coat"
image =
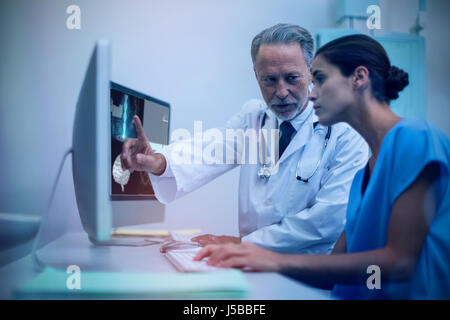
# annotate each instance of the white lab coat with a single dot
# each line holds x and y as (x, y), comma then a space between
(281, 213)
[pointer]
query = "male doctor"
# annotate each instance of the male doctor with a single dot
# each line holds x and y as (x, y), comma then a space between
(296, 203)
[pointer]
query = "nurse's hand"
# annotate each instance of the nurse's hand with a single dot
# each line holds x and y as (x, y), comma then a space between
(137, 155)
(207, 239)
(241, 256)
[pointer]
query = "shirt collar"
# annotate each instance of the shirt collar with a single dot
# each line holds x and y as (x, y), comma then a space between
(298, 121)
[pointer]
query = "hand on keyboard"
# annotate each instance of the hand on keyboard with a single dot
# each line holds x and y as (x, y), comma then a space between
(183, 262)
(177, 245)
(180, 251)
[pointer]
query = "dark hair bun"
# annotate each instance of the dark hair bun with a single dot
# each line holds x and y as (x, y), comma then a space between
(396, 81)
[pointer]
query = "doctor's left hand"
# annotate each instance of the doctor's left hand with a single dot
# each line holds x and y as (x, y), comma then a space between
(245, 255)
(207, 239)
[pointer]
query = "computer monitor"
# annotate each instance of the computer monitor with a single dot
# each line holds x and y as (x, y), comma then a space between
(91, 148)
(98, 134)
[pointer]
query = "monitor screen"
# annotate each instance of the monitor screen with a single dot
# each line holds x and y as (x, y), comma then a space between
(125, 103)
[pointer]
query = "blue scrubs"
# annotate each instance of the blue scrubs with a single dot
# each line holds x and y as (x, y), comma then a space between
(406, 150)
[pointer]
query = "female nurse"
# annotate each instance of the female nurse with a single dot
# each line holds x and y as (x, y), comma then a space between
(398, 215)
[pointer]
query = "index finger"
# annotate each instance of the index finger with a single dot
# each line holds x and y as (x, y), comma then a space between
(127, 151)
(128, 146)
(205, 252)
(139, 128)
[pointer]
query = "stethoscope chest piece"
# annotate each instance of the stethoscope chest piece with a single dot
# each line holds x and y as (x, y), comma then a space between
(264, 172)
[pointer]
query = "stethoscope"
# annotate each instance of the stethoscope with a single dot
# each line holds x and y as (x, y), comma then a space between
(325, 143)
(265, 171)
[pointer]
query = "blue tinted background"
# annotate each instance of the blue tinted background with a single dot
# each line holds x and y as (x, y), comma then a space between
(193, 54)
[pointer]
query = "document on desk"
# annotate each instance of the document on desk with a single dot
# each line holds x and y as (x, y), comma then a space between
(158, 233)
(57, 284)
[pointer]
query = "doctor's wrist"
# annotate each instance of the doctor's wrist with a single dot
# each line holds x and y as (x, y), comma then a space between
(160, 165)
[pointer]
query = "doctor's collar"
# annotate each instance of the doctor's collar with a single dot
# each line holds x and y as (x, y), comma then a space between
(299, 120)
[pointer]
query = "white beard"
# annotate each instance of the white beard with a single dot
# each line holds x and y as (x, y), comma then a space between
(294, 113)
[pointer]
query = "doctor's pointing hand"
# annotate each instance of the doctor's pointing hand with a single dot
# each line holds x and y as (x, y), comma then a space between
(137, 154)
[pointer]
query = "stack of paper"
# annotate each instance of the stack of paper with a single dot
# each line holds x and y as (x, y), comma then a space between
(134, 232)
(55, 284)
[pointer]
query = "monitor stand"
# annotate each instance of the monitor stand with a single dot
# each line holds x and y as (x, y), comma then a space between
(126, 242)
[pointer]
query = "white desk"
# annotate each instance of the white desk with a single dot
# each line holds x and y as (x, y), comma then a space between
(76, 249)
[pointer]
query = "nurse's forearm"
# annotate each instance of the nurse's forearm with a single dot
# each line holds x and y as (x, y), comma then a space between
(327, 270)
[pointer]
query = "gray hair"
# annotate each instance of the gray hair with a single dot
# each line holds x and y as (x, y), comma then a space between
(285, 34)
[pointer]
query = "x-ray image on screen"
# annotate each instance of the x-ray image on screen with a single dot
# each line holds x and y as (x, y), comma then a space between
(123, 108)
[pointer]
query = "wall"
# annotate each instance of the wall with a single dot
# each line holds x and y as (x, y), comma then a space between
(399, 16)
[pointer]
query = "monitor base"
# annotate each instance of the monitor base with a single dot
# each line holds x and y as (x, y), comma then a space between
(126, 241)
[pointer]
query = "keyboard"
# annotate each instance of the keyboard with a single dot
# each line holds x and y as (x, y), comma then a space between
(183, 261)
